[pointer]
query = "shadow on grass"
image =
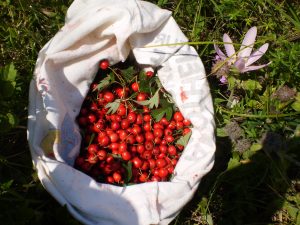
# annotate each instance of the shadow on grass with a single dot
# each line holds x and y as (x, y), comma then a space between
(244, 192)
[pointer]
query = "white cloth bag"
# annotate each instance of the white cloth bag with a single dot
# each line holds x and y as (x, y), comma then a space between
(66, 66)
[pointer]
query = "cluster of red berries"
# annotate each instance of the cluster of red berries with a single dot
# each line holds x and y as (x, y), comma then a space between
(127, 146)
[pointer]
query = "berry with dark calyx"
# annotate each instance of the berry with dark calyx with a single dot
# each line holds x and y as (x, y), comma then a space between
(104, 64)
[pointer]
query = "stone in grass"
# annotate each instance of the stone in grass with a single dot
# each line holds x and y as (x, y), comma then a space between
(242, 145)
(284, 94)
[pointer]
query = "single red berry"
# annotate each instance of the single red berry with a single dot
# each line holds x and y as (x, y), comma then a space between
(139, 138)
(117, 177)
(179, 125)
(143, 177)
(148, 145)
(92, 159)
(115, 125)
(160, 163)
(152, 163)
(101, 154)
(104, 64)
(108, 96)
(147, 118)
(164, 121)
(121, 110)
(135, 87)
(158, 132)
(178, 116)
(149, 73)
(131, 117)
(145, 166)
(104, 141)
(126, 155)
(155, 178)
(186, 131)
(136, 129)
(113, 137)
(125, 124)
(139, 119)
(163, 148)
(168, 132)
(163, 172)
(140, 149)
(122, 147)
(172, 150)
(91, 118)
(186, 122)
(147, 154)
(169, 138)
(146, 109)
(93, 149)
(141, 96)
(110, 180)
(137, 162)
(130, 139)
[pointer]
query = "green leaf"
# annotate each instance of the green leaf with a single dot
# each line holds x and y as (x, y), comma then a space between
(154, 101)
(233, 163)
(105, 82)
(9, 73)
(128, 74)
(251, 85)
(128, 167)
(255, 147)
(184, 139)
(296, 106)
(221, 132)
(12, 119)
(158, 114)
(6, 185)
(113, 106)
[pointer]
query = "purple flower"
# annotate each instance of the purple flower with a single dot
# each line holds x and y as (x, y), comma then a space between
(243, 59)
(223, 80)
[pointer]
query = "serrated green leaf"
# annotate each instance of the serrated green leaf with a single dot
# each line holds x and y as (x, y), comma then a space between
(105, 82)
(153, 101)
(251, 85)
(128, 74)
(184, 139)
(113, 106)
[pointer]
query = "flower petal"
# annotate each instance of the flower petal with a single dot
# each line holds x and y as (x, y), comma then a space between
(248, 43)
(240, 65)
(257, 54)
(251, 68)
(219, 52)
(229, 48)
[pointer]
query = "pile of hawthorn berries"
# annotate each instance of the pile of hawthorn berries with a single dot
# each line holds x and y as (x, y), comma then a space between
(127, 146)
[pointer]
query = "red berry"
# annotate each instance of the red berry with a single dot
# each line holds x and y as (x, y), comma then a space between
(186, 122)
(92, 159)
(135, 87)
(178, 116)
(136, 129)
(149, 73)
(139, 119)
(131, 117)
(91, 118)
(160, 163)
(143, 177)
(125, 124)
(126, 155)
(186, 131)
(93, 149)
(172, 150)
(122, 147)
(121, 110)
(108, 96)
(104, 64)
(141, 96)
(158, 132)
(140, 149)
(169, 138)
(117, 177)
(113, 137)
(147, 118)
(101, 154)
(148, 145)
(139, 138)
(115, 125)
(149, 136)
(104, 141)
(137, 162)
(163, 172)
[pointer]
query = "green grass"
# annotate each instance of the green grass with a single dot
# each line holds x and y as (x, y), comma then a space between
(255, 179)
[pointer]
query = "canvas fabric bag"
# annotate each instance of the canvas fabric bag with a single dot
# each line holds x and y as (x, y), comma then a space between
(65, 68)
